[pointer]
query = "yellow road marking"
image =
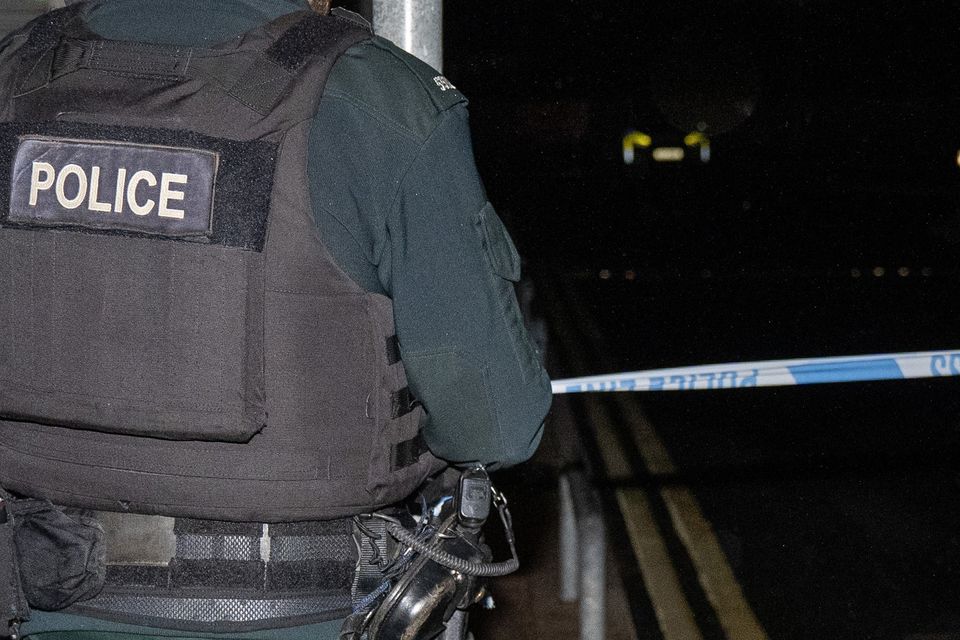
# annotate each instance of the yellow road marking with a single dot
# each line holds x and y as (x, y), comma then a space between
(713, 569)
(614, 458)
(659, 576)
(673, 612)
(719, 583)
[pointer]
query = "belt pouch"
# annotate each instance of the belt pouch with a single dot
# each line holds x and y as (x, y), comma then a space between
(13, 602)
(62, 556)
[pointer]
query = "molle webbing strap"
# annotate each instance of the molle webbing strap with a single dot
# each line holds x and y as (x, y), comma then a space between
(234, 576)
(403, 402)
(393, 350)
(408, 452)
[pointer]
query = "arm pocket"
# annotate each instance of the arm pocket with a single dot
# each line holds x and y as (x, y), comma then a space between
(505, 267)
(500, 248)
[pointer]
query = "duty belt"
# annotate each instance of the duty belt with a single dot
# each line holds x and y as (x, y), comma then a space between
(224, 576)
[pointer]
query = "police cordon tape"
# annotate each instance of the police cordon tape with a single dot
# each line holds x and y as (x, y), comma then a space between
(773, 373)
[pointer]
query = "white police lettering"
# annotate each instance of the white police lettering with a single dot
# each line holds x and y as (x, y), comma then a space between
(73, 188)
(38, 184)
(93, 203)
(113, 185)
(167, 194)
(65, 173)
(137, 208)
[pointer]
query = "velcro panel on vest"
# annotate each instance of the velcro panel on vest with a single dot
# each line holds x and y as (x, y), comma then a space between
(269, 77)
(115, 317)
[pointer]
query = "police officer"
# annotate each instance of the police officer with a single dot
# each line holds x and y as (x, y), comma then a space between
(251, 287)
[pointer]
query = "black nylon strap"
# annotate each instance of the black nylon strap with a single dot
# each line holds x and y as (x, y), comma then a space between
(48, 29)
(393, 350)
(403, 402)
(408, 452)
(372, 540)
(267, 79)
(308, 37)
(262, 85)
(37, 55)
(128, 58)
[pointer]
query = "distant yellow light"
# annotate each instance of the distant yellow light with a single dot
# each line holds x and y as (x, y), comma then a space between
(958, 158)
(668, 154)
(697, 139)
(633, 140)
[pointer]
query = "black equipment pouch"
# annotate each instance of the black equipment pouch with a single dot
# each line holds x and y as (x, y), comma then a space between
(13, 602)
(61, 556)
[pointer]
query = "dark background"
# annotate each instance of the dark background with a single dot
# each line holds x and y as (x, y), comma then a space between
(826, 223)
(833, 125)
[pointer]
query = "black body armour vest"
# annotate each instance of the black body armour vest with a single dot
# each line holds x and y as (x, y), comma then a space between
(175, 339)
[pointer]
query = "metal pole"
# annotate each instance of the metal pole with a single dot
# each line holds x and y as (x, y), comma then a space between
(591, 552)
(569, 549)
(413, 25)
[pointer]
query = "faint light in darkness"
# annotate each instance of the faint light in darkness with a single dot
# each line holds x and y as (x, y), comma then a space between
(668, 154)
(633, 140)
(698, 139)
(879, 272)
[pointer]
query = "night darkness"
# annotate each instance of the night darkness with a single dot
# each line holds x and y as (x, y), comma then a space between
(833, 129)
(826, 222)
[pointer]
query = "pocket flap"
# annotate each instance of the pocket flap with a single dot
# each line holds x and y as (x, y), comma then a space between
(500, 248)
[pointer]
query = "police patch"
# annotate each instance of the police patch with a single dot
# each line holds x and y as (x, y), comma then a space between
(113, 185)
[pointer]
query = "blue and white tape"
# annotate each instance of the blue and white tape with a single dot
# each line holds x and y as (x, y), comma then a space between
(773, 373)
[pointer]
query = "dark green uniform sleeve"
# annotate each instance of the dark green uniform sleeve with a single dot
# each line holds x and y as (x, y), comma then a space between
(401, 207)
(451, 276)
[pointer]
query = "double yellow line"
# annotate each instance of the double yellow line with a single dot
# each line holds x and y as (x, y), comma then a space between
(660, 577)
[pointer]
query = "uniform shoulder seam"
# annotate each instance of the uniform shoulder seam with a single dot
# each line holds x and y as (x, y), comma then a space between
(425, 86)
(376, 114)
(420, 81)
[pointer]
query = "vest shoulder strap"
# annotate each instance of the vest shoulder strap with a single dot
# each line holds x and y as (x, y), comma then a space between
(59, 43)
